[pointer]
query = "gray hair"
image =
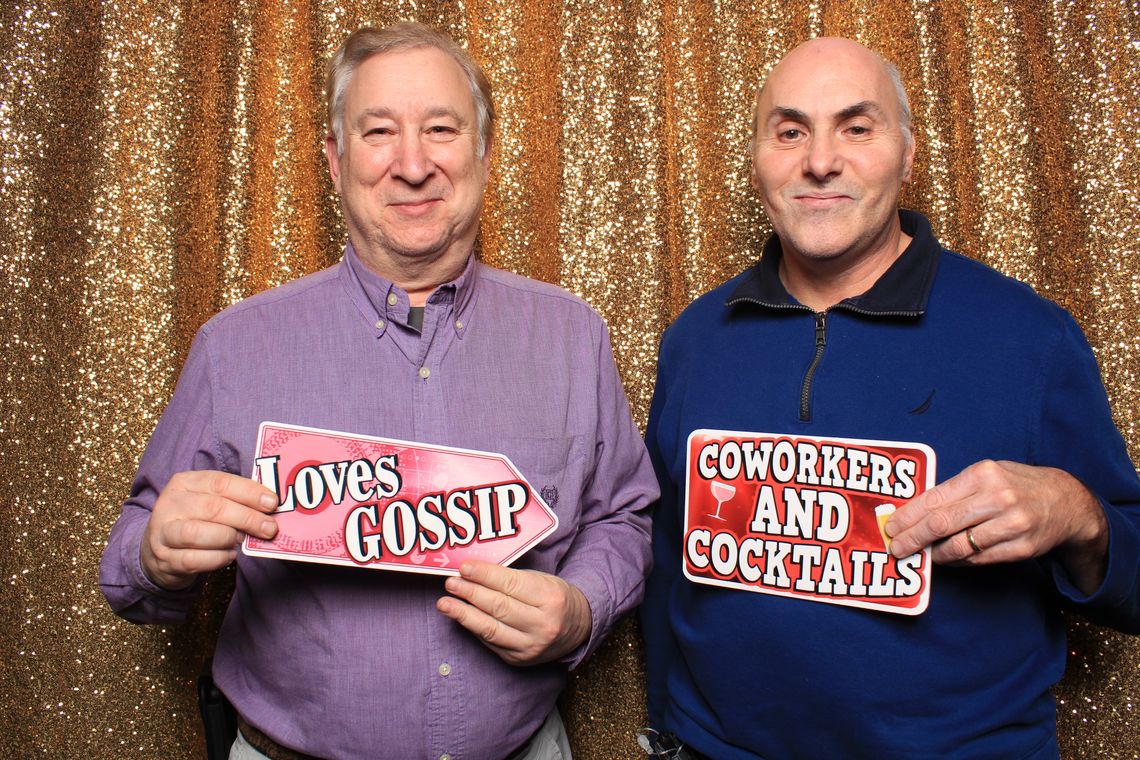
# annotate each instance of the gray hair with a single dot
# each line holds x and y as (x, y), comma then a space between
(369, 41)
(904, 104)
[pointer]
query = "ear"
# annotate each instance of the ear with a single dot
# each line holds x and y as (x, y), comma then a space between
(908, 159)
(333, 159)
(755, 173)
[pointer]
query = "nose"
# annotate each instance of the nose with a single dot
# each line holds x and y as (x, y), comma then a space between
(411, 162)
(824, 158)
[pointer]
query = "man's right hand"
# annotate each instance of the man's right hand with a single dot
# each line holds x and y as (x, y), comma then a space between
(198, 521)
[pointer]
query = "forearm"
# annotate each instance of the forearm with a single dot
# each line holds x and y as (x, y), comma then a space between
(182, 440)
(607, 564)
(610, 555)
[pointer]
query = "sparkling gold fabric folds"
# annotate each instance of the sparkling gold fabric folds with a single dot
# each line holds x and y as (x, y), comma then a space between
(160, 159)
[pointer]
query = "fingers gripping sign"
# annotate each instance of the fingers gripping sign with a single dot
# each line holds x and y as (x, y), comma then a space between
(524, 616)
(197, 523)
(1006, 512)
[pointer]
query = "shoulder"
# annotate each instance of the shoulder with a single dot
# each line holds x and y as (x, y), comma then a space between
(981, 289)
(707, 312)
(296, 296)
(529, 295)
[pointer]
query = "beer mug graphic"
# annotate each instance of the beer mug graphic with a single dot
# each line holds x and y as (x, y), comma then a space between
(883, 513)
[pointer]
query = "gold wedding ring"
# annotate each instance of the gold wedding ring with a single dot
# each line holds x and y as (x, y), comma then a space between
(973, 543)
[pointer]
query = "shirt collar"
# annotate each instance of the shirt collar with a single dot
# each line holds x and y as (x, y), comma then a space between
(902, 291)
(382, 301)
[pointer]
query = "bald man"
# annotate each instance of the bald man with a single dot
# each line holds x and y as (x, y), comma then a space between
(810, 396)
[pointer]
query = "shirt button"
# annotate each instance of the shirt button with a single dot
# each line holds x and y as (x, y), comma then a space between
(459, 324)
(379, 324)
(392, 299)
(444, 669)
(425, 373)
(445, 756)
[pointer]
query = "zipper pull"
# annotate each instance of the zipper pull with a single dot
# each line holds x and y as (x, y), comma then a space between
(820, 329)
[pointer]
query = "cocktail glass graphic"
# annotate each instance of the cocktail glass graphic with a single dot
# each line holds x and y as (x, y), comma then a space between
(722, 492)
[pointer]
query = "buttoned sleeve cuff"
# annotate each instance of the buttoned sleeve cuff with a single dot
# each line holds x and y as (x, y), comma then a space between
(1117, 601)
(134, 595)
(610, 572)
(594, 588)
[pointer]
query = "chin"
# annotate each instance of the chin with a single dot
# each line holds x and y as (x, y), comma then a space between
(415, 246)
(819, 250)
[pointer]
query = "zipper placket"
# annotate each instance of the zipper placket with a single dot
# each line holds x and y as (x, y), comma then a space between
(820, 345)
(820, 336)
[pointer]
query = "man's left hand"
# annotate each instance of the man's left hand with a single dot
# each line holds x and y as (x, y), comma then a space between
(524, 616)
(1005, 512)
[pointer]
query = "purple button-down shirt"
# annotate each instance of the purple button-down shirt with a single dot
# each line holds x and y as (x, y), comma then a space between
(357, 663)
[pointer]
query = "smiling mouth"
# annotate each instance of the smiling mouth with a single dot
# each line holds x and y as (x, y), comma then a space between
(821, 201)
(415, 208)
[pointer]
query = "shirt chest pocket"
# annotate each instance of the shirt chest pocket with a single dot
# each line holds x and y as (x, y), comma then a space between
(554, 467)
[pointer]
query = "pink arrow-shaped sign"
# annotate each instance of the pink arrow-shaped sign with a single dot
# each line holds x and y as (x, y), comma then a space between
(363, 501)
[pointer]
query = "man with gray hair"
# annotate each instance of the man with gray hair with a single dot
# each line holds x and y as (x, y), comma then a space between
(408, 337)
(885, 468)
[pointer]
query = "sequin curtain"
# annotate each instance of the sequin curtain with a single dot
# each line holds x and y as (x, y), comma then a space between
(160, 160)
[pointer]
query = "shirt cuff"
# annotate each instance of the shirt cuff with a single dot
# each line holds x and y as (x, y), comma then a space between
(168, 606)
(1117, 585)
(593, 587)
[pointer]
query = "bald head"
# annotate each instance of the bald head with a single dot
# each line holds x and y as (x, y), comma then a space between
(833, 52)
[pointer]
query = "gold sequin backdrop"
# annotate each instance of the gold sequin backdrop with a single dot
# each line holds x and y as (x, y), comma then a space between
(160, 159)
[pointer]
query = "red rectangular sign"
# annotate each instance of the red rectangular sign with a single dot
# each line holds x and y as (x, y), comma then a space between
(802, 517)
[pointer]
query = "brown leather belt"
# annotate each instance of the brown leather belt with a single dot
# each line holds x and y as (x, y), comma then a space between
(267, 746)
(274, 751)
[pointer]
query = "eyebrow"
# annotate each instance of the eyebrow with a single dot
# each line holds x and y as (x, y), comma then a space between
(432, 113)
(794, 114)
(783, 112)
(861, 108)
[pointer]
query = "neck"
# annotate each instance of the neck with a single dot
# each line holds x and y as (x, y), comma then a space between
(819, 284)
(416, 276)
(419, 296)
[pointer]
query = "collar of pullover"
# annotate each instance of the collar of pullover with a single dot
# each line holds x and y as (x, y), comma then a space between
(902, 291)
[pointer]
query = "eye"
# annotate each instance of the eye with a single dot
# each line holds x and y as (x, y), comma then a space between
(790, 134)
(377, 134)
(442, 132)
